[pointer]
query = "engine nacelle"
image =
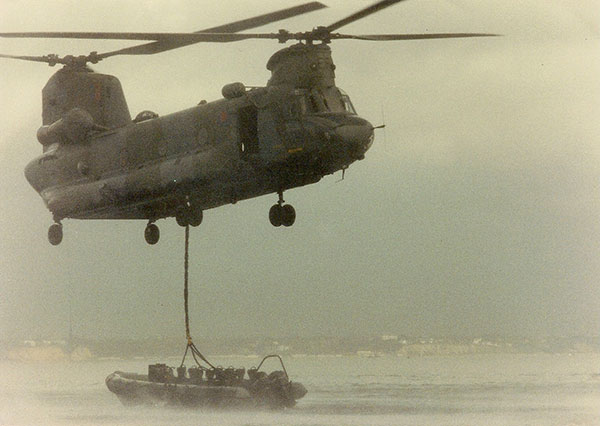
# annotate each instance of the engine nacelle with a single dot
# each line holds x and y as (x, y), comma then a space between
(73, 127)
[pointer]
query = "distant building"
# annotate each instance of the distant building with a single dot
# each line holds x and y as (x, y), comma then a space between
(389, 337)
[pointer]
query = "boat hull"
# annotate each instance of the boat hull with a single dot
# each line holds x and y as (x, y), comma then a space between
(137, 389)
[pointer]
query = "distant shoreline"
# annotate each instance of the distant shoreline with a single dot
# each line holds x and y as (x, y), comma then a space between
(79, 349)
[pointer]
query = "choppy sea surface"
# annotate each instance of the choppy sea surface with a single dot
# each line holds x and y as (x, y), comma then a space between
(498, 389)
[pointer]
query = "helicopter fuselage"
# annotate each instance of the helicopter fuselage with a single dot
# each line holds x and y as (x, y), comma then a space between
(98, 163)
(252, 143)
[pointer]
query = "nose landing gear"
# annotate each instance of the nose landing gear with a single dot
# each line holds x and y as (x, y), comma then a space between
(282, 214)
(151, 233)
(55, 233)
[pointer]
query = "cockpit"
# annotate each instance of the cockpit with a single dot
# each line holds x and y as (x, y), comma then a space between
(319, 124)
(317, 100)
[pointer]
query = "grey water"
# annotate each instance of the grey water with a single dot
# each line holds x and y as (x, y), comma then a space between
(491, 389)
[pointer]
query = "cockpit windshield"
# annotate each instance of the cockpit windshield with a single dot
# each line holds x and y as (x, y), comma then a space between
(317, 101)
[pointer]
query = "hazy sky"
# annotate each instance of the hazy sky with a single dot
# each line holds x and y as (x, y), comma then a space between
(476, 212)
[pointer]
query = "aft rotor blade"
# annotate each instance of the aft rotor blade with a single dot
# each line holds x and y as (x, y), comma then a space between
(77, 61)
(27, 58)
(391, 37)
(167, 41)
(182, 37)
(173, 38)
(362, 13)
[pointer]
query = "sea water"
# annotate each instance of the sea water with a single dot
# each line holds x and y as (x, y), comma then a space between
(493, 389)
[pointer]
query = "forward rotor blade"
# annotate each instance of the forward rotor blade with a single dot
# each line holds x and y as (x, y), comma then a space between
(391, 37)
(233, 27)
(175, 40)
(362, 13)
(259, 21)
(189, 38)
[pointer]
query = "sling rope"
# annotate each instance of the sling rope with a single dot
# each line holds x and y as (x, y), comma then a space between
(190, 344)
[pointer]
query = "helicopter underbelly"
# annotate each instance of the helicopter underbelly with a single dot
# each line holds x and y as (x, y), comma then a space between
(131, 194)
(156, 191)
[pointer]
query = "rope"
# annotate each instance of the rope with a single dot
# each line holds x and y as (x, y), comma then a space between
(190, 344)
(186, 265)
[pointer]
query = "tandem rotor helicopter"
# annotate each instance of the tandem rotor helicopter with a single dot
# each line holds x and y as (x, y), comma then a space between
(99, 163)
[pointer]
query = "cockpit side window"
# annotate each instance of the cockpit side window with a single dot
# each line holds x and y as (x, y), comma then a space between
(346, 102)
(317, 101)
(313, 105)
(304, 103)
(348, 105)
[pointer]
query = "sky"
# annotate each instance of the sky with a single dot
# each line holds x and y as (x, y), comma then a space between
(476, 211)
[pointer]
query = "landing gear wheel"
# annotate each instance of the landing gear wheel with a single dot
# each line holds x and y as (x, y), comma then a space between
(275, 215)
(188, 216)
(181, 218)
(282, 214)
(55, 234)
(195, 217)
(288, 215)
(151, 234)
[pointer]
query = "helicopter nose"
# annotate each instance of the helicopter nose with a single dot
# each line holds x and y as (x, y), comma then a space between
(357, 136)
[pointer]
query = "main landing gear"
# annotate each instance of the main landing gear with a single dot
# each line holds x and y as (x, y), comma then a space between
(282, 214)
(186, 215)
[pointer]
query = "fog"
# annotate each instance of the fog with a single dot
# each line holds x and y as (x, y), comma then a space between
(475, 212)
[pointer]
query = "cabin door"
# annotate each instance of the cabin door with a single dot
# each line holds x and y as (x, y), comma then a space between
(248, 128)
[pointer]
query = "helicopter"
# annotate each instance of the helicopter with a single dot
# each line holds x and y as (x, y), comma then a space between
(98, 162)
